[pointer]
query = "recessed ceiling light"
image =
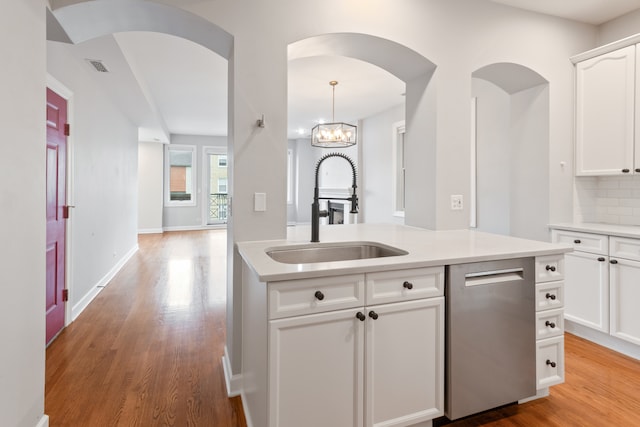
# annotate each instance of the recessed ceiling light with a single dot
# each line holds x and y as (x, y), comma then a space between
(301, 131)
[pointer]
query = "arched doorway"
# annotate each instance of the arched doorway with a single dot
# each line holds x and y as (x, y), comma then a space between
(87, 21)
(511, 145)
(416, 72)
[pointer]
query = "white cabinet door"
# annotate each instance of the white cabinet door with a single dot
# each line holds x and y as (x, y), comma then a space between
(625, 299)
(316, 370)
(404, 363)
(586, 290)
(605, 91)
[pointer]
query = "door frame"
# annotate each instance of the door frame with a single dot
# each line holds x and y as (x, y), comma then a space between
(62, 90)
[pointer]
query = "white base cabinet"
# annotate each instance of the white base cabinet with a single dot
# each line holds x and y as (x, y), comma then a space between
(366, 350)
(335, 357)
(550, 301)
(625, 300)
(587, 290)
(316, 370)
(602, 284)
(404, 363)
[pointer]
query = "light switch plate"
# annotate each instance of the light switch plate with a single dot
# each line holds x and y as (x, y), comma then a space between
(456, 202)
(259, 202)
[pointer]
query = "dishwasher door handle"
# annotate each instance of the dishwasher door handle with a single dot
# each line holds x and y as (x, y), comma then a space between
(493, 276)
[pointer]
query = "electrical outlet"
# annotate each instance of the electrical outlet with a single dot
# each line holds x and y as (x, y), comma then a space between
(456, 202)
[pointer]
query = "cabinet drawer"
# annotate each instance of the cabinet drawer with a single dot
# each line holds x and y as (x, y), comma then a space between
(404, 285)
(586, 242)
(550, 362)
(549, 268)
(549, 323)
(549, 295)
(621, 247)
(305, 296)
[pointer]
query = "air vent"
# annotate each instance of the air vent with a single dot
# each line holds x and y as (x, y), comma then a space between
(98, 65)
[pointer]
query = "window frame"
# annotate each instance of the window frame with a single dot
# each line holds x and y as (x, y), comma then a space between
(167, 175)
(398, 128)
(290, 176)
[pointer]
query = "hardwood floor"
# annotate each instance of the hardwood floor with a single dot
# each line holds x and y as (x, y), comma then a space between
(147, 352)
(601, 388)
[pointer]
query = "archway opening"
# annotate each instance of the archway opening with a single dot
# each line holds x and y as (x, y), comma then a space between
(405, 76)
(510, 107)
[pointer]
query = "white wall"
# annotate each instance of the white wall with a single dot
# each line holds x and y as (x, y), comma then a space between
(530, 163)
(512, 160)
(22, 217)
(493, 120)
(306, 159)
(377, 165)
(150, 185)
(186, 217)
(292, 208)
(105, 193)
(625, 26)
(335, 173)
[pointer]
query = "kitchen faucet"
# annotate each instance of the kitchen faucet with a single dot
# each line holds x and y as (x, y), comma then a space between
(316, 213)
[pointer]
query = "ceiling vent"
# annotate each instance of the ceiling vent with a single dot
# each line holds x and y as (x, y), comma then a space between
(98, 65)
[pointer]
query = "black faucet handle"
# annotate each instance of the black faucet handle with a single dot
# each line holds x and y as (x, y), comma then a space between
(354, 203)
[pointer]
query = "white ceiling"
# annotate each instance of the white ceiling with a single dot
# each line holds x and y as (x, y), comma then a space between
(170, 85)
(593, 12)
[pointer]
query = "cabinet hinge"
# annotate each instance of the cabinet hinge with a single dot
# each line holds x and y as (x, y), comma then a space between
(67, 129)
(65, 295)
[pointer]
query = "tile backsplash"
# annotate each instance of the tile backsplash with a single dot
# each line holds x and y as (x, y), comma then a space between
(607, 199)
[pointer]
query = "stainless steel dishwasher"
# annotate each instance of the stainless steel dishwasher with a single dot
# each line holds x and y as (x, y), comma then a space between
(490, 335)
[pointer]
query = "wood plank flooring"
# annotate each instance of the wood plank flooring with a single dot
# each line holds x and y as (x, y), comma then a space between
(601, 388)
(148, 349)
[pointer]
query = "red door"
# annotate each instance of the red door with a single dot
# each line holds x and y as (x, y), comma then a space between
(56, 199)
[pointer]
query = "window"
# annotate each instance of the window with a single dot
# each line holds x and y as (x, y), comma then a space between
(222, 185)
(222, 161)
(289, 176)
(398, 168)
(180, 175)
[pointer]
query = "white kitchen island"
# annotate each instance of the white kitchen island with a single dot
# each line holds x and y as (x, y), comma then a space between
(361, 342)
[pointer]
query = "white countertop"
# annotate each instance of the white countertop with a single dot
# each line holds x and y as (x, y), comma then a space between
(632, 231)
(426, 248)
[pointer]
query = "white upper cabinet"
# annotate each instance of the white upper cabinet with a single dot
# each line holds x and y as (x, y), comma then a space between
(605, 114)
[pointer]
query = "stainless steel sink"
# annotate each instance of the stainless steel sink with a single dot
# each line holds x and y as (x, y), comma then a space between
(329, 252)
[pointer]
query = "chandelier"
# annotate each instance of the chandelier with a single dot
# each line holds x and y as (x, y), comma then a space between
(334, 134)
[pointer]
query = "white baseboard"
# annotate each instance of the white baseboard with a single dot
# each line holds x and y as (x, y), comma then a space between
(247, 414)
(233, 382)
(543, 392)
(89, 296)
(605, 340)
(194, 227)
(150, 230)
(44, 421)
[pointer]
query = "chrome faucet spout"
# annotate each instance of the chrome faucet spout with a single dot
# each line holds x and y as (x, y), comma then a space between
(316, 213)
